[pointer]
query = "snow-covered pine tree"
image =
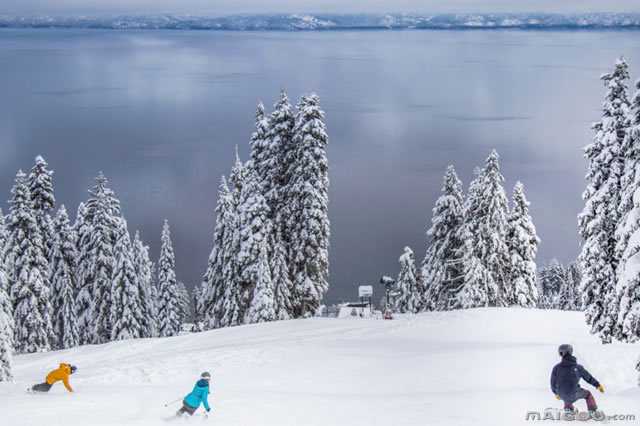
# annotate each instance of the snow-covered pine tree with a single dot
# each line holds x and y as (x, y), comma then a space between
(6, 332)
(103, 256)
(262, 308)
(522, 241)
(6, 312)
(599, 220)
(568, 298)
(169, 303)
(307, 196)
(88, 262)
(409, 296)
(280, 157)
(215, 287)
(84, 287)
(266, 161)
(442, 265)
(552, 278)
(473, 291)
(255, 226)
(29, 273)
(63, 282)
(185, 303)
(42, 195)
(492, 217)
(198, 307)
(125, 293)
(627, 293)
(280, 279)
(143, 269)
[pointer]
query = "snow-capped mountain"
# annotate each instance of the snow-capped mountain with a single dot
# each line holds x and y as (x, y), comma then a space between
(310, 22)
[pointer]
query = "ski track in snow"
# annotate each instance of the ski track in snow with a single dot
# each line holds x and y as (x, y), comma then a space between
(474, 367)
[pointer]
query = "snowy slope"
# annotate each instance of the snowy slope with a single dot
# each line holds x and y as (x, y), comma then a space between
(480, 367)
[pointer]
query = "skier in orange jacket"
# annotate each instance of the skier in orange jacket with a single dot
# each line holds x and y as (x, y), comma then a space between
(62, 374)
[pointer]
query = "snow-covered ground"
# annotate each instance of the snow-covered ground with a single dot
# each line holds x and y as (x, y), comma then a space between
(475, 367)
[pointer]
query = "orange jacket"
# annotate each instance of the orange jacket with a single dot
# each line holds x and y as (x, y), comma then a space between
(61, 373)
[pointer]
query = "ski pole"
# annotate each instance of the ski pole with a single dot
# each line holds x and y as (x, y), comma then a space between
(172, 402)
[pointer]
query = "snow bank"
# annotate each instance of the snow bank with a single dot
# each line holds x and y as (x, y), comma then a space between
(474, 367)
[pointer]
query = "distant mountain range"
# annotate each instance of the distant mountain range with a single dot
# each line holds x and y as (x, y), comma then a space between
(318, 22)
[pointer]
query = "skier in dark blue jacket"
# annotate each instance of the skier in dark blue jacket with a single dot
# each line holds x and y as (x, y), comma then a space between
(199, 395)
(565, 380)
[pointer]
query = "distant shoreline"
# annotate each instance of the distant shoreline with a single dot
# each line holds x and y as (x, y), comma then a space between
(329, 22)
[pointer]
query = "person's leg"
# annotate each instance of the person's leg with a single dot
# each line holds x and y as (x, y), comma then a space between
(186, 409)
(41, 387)
(588, 396)
(568, 406)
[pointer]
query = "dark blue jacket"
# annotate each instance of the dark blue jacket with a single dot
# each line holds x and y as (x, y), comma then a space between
(566, 376)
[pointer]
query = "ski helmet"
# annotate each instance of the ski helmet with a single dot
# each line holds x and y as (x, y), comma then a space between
(565, 349)
(73, 369)
(206, 375)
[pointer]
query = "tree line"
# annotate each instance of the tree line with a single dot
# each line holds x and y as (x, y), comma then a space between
(270, 256)
(480, 252)
(65, 284)
(610, 221)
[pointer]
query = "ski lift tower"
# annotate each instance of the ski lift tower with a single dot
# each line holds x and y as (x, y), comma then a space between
(389, 284)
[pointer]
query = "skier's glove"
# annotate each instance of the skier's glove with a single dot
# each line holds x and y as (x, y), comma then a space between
(601, 388)
(558, 397)
(208, 410)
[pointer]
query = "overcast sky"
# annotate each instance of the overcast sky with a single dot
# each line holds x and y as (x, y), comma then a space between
(222, 7)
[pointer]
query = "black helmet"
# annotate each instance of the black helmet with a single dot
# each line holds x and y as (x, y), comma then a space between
(206, 375)
(565, 350)
(73, 369)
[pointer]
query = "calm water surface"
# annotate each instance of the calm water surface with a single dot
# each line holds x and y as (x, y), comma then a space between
(160, 114)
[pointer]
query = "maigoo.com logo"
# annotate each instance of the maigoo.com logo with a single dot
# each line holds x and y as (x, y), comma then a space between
(583, 416)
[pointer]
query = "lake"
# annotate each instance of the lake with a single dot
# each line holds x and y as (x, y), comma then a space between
(160, 112)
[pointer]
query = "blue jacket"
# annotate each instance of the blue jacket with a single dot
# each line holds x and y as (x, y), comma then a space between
(198, 395)
(565, 378)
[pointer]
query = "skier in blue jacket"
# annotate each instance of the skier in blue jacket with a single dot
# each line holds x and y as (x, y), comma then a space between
(199, 395)
(565, 381)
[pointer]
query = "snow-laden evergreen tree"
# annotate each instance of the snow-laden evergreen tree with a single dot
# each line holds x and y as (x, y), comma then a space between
(6, 313)
(552, 279)
(262, 308)
(442, 265)
(267, 161)
(409, 296)
(28, 273)
(492, 217)
(307, 195)
(522, 241)
(169, 299)
(84, 287)
(255, 226)
(281, 157)
(627, 293)
(125, 293)
(185, 303)
(569, 298)
(98, 226)
(42, 195)
(280, 280)
(198, 307)
(104, 262)
(6, 331)
(473, 290)
(215, 287)
(63, 282)
(599, 220)
(143, 268)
